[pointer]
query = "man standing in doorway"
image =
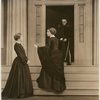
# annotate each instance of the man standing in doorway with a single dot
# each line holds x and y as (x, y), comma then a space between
(64, 40)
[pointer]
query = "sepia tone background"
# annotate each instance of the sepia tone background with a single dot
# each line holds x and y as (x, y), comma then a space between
(31, 18)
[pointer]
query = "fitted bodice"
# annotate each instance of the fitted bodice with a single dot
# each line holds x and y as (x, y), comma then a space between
(53, 43)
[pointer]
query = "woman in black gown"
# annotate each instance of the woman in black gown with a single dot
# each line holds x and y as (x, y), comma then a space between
(52, 73)
(19, 83)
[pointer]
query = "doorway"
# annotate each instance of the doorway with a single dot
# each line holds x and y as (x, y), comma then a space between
(54, 14)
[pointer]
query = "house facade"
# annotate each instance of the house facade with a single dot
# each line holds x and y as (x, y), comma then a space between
(29, 17)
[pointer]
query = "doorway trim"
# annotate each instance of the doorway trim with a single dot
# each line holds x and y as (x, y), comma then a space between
(43, 19)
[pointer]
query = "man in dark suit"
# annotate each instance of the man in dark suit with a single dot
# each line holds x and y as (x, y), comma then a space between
(64, 40)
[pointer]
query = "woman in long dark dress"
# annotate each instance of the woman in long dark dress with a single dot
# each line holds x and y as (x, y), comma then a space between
(19, 83)
(52, 73)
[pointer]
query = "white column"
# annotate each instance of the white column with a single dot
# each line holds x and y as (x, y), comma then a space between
(43, 21)
(23, 21)
(96, 33)
(2, 26)
(76, 36)
(16, 22)
(9, 33)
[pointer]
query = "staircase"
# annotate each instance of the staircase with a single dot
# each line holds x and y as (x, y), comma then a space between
(80, 80)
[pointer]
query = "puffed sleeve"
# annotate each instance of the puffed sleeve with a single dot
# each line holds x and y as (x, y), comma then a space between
(21, 53)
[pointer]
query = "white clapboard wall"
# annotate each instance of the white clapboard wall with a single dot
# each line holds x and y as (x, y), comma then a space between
(79, 80)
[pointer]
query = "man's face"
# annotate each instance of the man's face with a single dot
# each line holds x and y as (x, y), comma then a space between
(64, 22)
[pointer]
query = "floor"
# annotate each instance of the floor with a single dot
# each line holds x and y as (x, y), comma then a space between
(59, 98)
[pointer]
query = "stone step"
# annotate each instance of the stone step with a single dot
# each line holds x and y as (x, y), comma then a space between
(67, 69)
(70, 85)
(68, 77)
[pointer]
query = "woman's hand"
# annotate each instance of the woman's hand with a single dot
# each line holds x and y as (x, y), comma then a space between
(35, 45)
(28, 62)
(65, 40)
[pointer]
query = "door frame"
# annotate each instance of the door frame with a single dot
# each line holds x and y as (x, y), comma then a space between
(60, 3)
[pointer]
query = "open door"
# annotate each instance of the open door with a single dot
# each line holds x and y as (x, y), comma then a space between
(54, 14)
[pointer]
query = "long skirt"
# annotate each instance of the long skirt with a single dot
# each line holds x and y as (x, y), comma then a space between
(52, 73)
(19, 83)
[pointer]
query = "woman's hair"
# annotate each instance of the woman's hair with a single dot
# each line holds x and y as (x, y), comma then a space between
(53, 30)
(17, 36)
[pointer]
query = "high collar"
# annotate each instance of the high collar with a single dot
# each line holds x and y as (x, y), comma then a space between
(18, 42)
(52, 36)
